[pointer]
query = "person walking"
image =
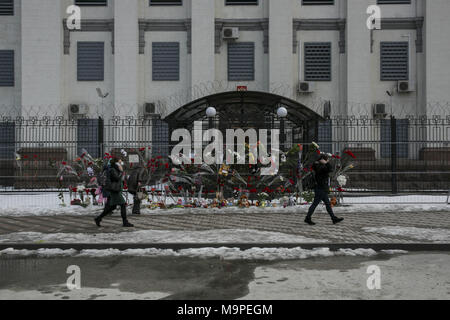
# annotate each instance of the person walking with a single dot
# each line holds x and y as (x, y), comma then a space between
(114, 186)
(322, 170)
(135, 182)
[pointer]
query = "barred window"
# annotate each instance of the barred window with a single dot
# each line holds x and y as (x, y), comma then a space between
(393, 1)
(6, 68)
(241, 2)
(325, 136)
(402, 138)
(6, 7)
(394, 61)
(92, 3)
(241, 61)
(90, 61)
(317, 2)
(166, 61)
(166, 2)
(318, 61)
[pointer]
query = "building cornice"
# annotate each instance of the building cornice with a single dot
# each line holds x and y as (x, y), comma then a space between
(320, 25)
(406, 24)
(149, 25)
(243, 25)
(88, 25)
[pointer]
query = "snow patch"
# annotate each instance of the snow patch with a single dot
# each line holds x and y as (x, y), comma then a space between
(48, 204)
(435, 235)
(263, 254)
(160, 236)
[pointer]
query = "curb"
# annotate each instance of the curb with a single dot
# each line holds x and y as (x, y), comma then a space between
(411, 247)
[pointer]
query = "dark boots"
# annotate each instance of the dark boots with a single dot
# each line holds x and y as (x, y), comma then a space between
(110, 209)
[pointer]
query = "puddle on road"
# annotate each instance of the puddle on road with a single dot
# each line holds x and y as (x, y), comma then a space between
(192, 279)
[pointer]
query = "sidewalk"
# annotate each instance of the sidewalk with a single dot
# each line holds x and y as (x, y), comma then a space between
(238, 228)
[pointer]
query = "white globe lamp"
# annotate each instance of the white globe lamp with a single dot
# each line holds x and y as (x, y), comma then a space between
(211, 112)
(282, 112)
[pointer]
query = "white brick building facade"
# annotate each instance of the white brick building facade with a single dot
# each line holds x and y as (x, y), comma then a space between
(45, 53)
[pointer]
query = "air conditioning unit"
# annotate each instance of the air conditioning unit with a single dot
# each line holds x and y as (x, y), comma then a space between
(150, 109)
(230, 33)
(405, 86)
(379, 111)
(78, 109)
(327, 110)
(306, 87)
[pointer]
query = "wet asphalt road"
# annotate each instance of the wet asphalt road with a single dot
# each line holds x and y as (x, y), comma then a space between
(409, 276)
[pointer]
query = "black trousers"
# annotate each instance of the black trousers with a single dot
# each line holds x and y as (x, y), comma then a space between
(136, 204)
(321, 195)
(109, 209)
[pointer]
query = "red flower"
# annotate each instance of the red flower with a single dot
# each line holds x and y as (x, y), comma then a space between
(35, 156)
(167, 166)
(142, 149)
(74, 189)
(253, 191)
(341, 190)
(153, 189)
(292, 181)
(348, 152)
(180, 188)
(64, 163)
(318, 152)
(25, 157)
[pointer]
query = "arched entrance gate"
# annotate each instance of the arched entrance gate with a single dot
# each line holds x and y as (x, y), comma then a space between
(250, 109)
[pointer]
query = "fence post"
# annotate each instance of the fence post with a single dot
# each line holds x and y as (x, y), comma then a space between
(394, 155)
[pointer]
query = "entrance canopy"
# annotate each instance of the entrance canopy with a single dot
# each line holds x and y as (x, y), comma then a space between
(243, 105)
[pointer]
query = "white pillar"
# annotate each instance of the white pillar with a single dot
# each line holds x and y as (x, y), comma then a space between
(359, 57)
(203, 35)
(280, 43)
(437, 48)
(126, 43)
(41, 57)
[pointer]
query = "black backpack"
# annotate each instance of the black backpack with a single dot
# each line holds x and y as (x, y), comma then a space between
(310, 182)
(103, 178)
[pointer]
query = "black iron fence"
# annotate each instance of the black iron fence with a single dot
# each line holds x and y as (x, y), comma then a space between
(392, 155)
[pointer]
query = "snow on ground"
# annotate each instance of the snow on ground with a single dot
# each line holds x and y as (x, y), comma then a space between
(263, 254)
(48, 204)
(435, 235)
(154, 236)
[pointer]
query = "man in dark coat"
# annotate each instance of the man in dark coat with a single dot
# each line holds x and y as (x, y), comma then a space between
(322, 170)
(135, 182)
(114, 186)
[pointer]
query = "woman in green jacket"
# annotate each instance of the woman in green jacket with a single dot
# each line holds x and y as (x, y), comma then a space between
(114, 186)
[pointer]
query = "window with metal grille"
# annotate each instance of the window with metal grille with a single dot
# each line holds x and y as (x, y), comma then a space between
(92, 3)
(393, 1)
(317, 2)
(241, 2)
(6, 68)
(166, 61)
(166, 2)
(394, 61)
(325, 136)
(241, 61)
(6, 7)
(91, 61)
(402, 138)
(7, 140)
(318, 61)
(160, 136)
(90, 137)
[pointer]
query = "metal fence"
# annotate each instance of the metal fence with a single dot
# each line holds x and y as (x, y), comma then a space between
(394, 156)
